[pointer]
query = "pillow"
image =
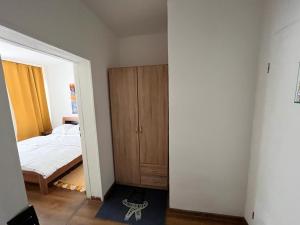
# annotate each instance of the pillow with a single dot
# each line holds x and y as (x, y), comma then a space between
(62, 129)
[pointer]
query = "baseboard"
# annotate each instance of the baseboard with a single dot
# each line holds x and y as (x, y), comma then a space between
(96, 198)
(209, 216)
(108, 193)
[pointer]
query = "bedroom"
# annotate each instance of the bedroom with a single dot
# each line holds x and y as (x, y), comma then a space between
(42, 94)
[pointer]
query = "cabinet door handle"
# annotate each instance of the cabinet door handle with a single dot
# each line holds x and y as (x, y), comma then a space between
(141, 129)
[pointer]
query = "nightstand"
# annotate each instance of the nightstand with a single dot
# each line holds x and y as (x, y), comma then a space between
(45, 133)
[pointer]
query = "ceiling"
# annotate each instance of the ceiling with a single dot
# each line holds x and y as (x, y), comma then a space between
(131, 17)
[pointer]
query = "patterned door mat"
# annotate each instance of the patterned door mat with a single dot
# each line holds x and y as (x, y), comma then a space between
(135, 206)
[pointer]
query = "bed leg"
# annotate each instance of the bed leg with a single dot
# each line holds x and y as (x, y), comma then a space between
(43, 185)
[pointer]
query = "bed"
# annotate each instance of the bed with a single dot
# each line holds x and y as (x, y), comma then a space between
(45, 158)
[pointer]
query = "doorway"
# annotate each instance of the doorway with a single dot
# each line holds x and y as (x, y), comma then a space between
(85, 101)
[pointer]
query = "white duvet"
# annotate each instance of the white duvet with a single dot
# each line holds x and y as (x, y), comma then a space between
(46, 154)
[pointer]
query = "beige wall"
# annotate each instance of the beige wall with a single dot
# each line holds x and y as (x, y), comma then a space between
(213, 49)
(274, 184)
(140, 50)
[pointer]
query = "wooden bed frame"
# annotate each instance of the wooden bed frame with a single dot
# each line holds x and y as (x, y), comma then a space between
(36, 178)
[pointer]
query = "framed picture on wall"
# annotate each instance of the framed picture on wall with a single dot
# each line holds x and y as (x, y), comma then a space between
(73, 99)
(297, 95)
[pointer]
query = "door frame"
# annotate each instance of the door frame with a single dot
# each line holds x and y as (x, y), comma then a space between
(85, 101)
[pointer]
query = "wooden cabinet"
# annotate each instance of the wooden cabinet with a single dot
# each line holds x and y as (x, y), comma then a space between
(139, 114)
(124, 116)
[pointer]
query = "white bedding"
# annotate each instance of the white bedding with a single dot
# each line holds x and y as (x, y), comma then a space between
(46, 154)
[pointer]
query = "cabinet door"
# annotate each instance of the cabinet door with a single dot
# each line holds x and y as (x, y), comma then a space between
(153, 115)
(124, 116)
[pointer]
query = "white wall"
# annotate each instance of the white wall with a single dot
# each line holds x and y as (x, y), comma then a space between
(274, 184)
(57, 79)
(12, 192)
(144, 50)
(213, 49)
(68, 25)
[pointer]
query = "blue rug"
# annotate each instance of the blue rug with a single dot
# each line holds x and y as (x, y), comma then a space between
(135, 206)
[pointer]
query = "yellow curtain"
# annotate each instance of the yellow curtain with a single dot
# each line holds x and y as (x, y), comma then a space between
(26, 90)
